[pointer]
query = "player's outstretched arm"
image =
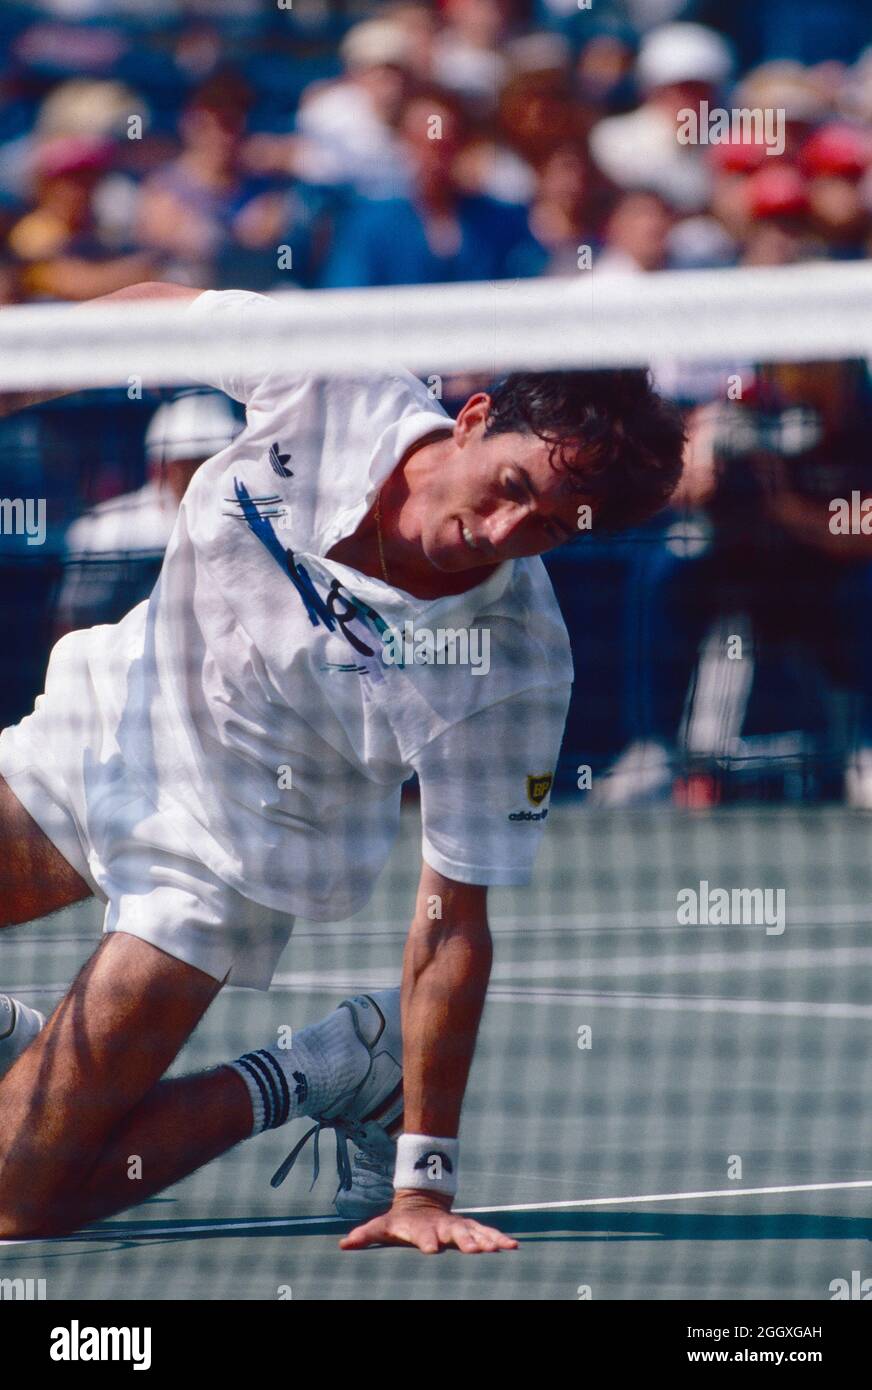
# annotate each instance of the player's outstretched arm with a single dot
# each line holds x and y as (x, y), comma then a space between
(12, 401)
(446, 968)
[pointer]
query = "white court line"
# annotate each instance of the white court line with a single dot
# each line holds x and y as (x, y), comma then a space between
(536, 924)
(771, 957)
(705, 1004)
(312, 983)
(675, 1197)
(263, 1223)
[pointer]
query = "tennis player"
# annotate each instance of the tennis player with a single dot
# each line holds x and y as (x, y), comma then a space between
(352, 594)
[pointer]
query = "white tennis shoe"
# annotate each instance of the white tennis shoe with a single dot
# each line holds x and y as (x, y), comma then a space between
(369, 1117)
(372, 1180)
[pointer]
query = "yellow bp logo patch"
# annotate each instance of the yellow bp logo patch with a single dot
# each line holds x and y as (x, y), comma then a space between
(538, 786)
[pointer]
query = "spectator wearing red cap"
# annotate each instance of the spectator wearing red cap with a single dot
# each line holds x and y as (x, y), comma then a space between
(778, 210)
(732, 163)
(835, 159)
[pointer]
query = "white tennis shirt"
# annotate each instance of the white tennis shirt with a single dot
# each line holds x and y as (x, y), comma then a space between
(257, 707)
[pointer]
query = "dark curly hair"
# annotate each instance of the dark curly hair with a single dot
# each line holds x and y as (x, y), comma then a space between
(610, 430)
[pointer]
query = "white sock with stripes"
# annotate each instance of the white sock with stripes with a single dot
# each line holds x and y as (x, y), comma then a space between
(324, 1062)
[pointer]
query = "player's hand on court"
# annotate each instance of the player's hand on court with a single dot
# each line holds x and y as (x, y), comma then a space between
(428, 1223)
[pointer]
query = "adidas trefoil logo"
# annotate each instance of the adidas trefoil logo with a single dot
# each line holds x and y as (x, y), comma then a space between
(278, 461)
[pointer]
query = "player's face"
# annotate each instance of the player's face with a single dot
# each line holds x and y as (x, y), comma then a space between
(496, 498)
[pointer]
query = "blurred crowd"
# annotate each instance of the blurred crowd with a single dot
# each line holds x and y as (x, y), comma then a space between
(264, 144)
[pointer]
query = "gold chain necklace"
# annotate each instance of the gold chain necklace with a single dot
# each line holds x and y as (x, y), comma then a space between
(378, 532)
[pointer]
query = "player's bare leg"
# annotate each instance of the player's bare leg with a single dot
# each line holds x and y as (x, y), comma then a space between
(34, 876)
(81, 1098)
(86, 1095)
(59, 1101)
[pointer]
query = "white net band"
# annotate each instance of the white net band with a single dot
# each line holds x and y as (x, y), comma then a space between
(808, 312)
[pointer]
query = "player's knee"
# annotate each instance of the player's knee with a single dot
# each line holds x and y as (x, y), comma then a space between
(19, 1217)
(13, 1226)
(19, 1222)
(37, 1197)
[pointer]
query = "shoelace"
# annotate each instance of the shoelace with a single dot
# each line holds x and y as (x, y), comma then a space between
(370, 1162)
(346, 1130)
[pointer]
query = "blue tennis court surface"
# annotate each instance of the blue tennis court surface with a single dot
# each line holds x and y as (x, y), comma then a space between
(628, 1068)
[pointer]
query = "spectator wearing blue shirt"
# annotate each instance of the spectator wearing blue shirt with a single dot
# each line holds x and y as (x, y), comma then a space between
(439, 232)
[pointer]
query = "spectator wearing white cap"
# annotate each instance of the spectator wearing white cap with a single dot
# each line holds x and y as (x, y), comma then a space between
(679, 66)
(346, 128)
(113, 553)
(471, 51)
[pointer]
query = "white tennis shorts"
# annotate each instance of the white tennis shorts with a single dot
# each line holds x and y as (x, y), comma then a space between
(124, 849)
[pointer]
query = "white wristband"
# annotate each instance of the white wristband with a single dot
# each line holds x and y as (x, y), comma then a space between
(427, 1163)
